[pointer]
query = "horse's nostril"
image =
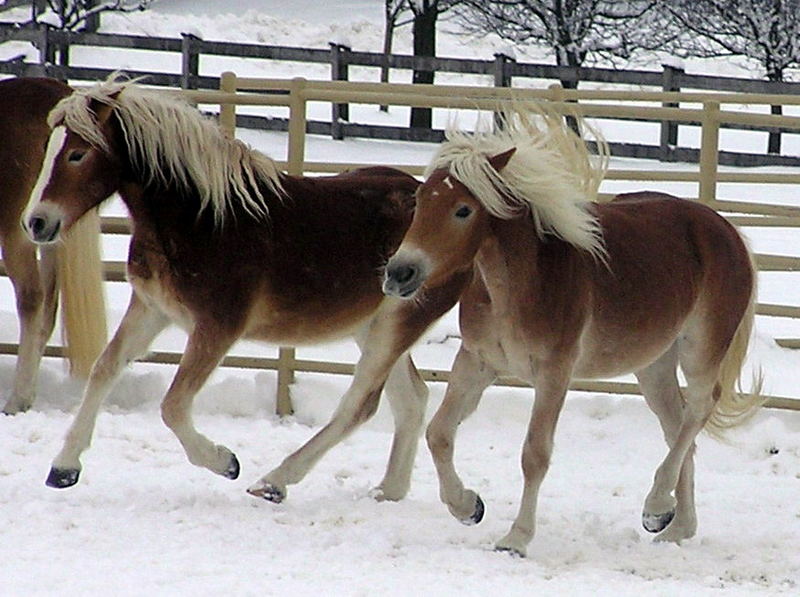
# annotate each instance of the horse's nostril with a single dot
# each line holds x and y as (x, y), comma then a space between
(404, 273)
(37, 224)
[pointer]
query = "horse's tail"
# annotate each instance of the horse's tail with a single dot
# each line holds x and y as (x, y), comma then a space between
(734, 406)
(83, 305)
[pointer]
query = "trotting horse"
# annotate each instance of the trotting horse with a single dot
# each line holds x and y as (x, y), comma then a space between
(227, 247)
(75, 267)
(565, 287)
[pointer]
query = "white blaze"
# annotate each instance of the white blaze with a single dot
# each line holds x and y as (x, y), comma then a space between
(54, 146)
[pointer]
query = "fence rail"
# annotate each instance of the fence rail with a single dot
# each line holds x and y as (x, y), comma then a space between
(54, 61)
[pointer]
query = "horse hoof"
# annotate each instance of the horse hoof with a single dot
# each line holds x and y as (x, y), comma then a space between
(232, 472)
(269, 492)
(654, 523)
(477, 514)
(514, 553)
(61, 478)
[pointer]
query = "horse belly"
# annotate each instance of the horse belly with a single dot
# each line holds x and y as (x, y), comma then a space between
(601, 356)
(310, 322)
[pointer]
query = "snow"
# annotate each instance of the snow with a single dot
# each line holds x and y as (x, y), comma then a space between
(143, 520)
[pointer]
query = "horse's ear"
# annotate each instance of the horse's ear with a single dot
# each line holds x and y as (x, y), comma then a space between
(102, 110)
(500, 161)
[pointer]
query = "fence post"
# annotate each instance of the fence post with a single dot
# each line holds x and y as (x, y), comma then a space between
(774, 137)
(339, 112)
(190, 61)
(502, 70)
(227, 112)
(47, 52)
(670, 81)
(709, 153)
(295, 160)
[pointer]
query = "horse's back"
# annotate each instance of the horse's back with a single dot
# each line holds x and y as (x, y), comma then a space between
(658, 225)
(24, 105)
(670, 262)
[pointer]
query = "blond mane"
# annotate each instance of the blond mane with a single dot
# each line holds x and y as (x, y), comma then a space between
(173, 143)
(551, 175)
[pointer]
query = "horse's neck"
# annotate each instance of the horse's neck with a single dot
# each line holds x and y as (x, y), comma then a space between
(517, 266)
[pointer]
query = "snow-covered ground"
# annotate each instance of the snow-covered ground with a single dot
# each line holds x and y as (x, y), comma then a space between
(143, 520)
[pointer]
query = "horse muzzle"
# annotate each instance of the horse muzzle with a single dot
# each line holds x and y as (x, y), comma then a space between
(404, 277)
(43, 226)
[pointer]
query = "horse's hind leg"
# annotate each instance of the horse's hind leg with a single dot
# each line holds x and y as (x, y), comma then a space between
(139, 326)
(659, 384)
(207, 345)
(408, 397)
(19, 256)
(701, 378)
(468, 379)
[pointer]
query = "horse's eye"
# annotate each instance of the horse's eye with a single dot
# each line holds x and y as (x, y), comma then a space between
(76, 156)
(463, 212)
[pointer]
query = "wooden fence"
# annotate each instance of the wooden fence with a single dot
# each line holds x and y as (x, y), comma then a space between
(295, 94)
(54, 61)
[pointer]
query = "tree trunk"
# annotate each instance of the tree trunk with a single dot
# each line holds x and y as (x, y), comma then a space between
(388, 37)
(774, 140)
(424, 32)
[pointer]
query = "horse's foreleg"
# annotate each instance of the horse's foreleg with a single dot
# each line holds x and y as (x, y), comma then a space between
(19, 257)
(358, 404)
(468, 379)
(206, 347)
(408, 397)
(139, 326)
(551, 385)
(48, 272)
(389, 335)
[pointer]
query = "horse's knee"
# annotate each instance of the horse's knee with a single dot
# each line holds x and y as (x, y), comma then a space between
(29, 301)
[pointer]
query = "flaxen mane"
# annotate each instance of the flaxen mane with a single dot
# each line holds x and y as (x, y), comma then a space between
(174, 144)
(552, 174)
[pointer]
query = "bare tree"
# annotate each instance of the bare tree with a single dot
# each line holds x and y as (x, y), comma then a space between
(426, 13)
(392, 10)
(71, 15)
(766, 31)
(574, 30)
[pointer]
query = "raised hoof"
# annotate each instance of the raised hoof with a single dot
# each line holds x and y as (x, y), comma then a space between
(655, 523)
(514, 553)
(268, 492)
(232, 472)
(61, 478)
(477, 514)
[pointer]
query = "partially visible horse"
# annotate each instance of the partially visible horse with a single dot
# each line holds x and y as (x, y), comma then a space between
(24, 104)
(564, 287)
(228, 247)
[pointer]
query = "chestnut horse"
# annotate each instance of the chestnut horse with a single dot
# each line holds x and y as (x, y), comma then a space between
(227, 247)
(564, 287)
(75, 267)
